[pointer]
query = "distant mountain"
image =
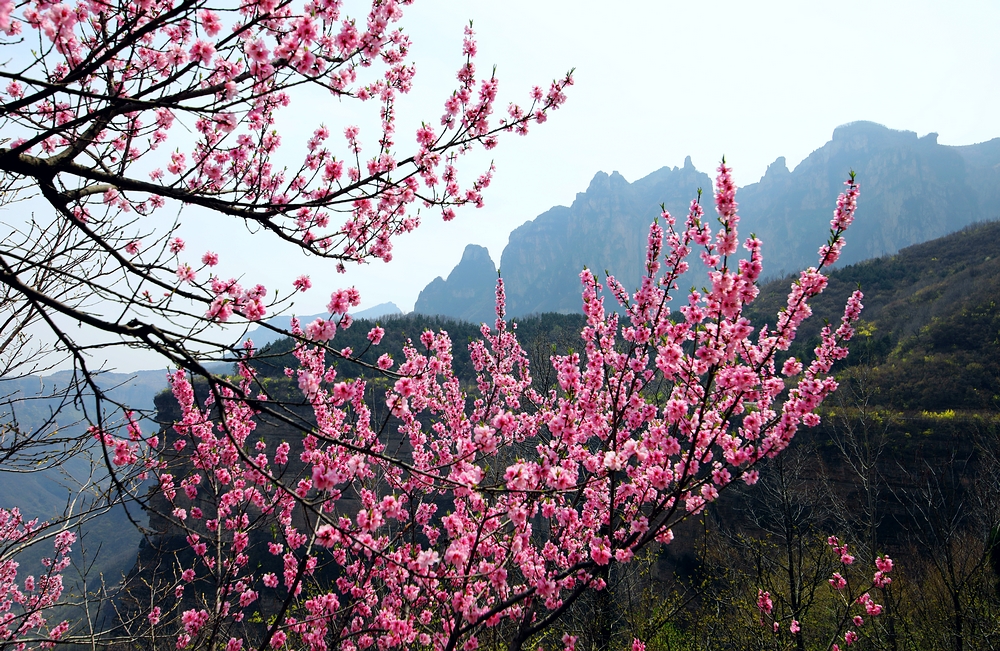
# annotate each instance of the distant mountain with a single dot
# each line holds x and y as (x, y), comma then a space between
(37, 404)
(378, 311)
(605, 228)
(468, 293)
(912, 190)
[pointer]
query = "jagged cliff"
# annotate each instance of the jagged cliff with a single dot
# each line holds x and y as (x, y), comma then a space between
(913, 190)
(468, 294)
(606, 227)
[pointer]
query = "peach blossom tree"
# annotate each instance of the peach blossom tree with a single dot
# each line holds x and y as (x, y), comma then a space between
(502, 505)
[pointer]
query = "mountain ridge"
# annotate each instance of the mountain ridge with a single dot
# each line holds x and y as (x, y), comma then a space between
(913, 190)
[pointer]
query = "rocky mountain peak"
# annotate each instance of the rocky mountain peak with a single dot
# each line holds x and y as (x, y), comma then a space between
(778, 170)
(912, 190)
(468, 293)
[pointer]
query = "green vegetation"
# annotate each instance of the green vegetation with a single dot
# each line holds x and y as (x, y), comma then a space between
(930, 336)
(540, 335)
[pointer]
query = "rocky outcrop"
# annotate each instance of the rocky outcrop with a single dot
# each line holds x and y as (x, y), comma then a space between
(913, 189)
(468, 293)
(605, 228)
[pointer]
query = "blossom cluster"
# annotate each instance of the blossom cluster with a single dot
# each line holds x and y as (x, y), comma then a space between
(851, 599)
(94, 103)
(499, 503)
(23, 604)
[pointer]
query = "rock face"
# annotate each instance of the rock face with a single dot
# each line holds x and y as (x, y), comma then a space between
(468, 293)
(605, 228)
(912, 190)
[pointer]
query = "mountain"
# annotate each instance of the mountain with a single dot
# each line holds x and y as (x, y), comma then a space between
(73, 476)
(929, 336)
(468, 293)
(605, 228)
(378, 311)
(912, 190)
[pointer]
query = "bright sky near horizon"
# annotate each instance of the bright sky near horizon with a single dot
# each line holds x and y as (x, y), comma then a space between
(656, 80)
(659, 80)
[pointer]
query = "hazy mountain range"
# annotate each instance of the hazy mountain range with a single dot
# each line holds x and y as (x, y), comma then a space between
(912, 190)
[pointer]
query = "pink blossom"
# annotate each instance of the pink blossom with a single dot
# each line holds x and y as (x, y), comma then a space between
(587, 472)
(210, 22)
(600, 552)
(791, 367)
(339, 302)
(321, 330)
(764, 603)
(202, 52)
(193, 620)
(185, 273)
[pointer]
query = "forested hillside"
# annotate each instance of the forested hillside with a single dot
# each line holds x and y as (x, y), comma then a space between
(930, 335)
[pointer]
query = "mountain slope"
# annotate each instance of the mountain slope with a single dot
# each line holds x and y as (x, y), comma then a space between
(930, 332)
(912, 190)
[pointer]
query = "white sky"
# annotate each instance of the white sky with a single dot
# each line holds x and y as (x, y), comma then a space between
(655, 81)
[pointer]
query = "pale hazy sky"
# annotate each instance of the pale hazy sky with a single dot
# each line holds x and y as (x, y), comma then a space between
(655, 82)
